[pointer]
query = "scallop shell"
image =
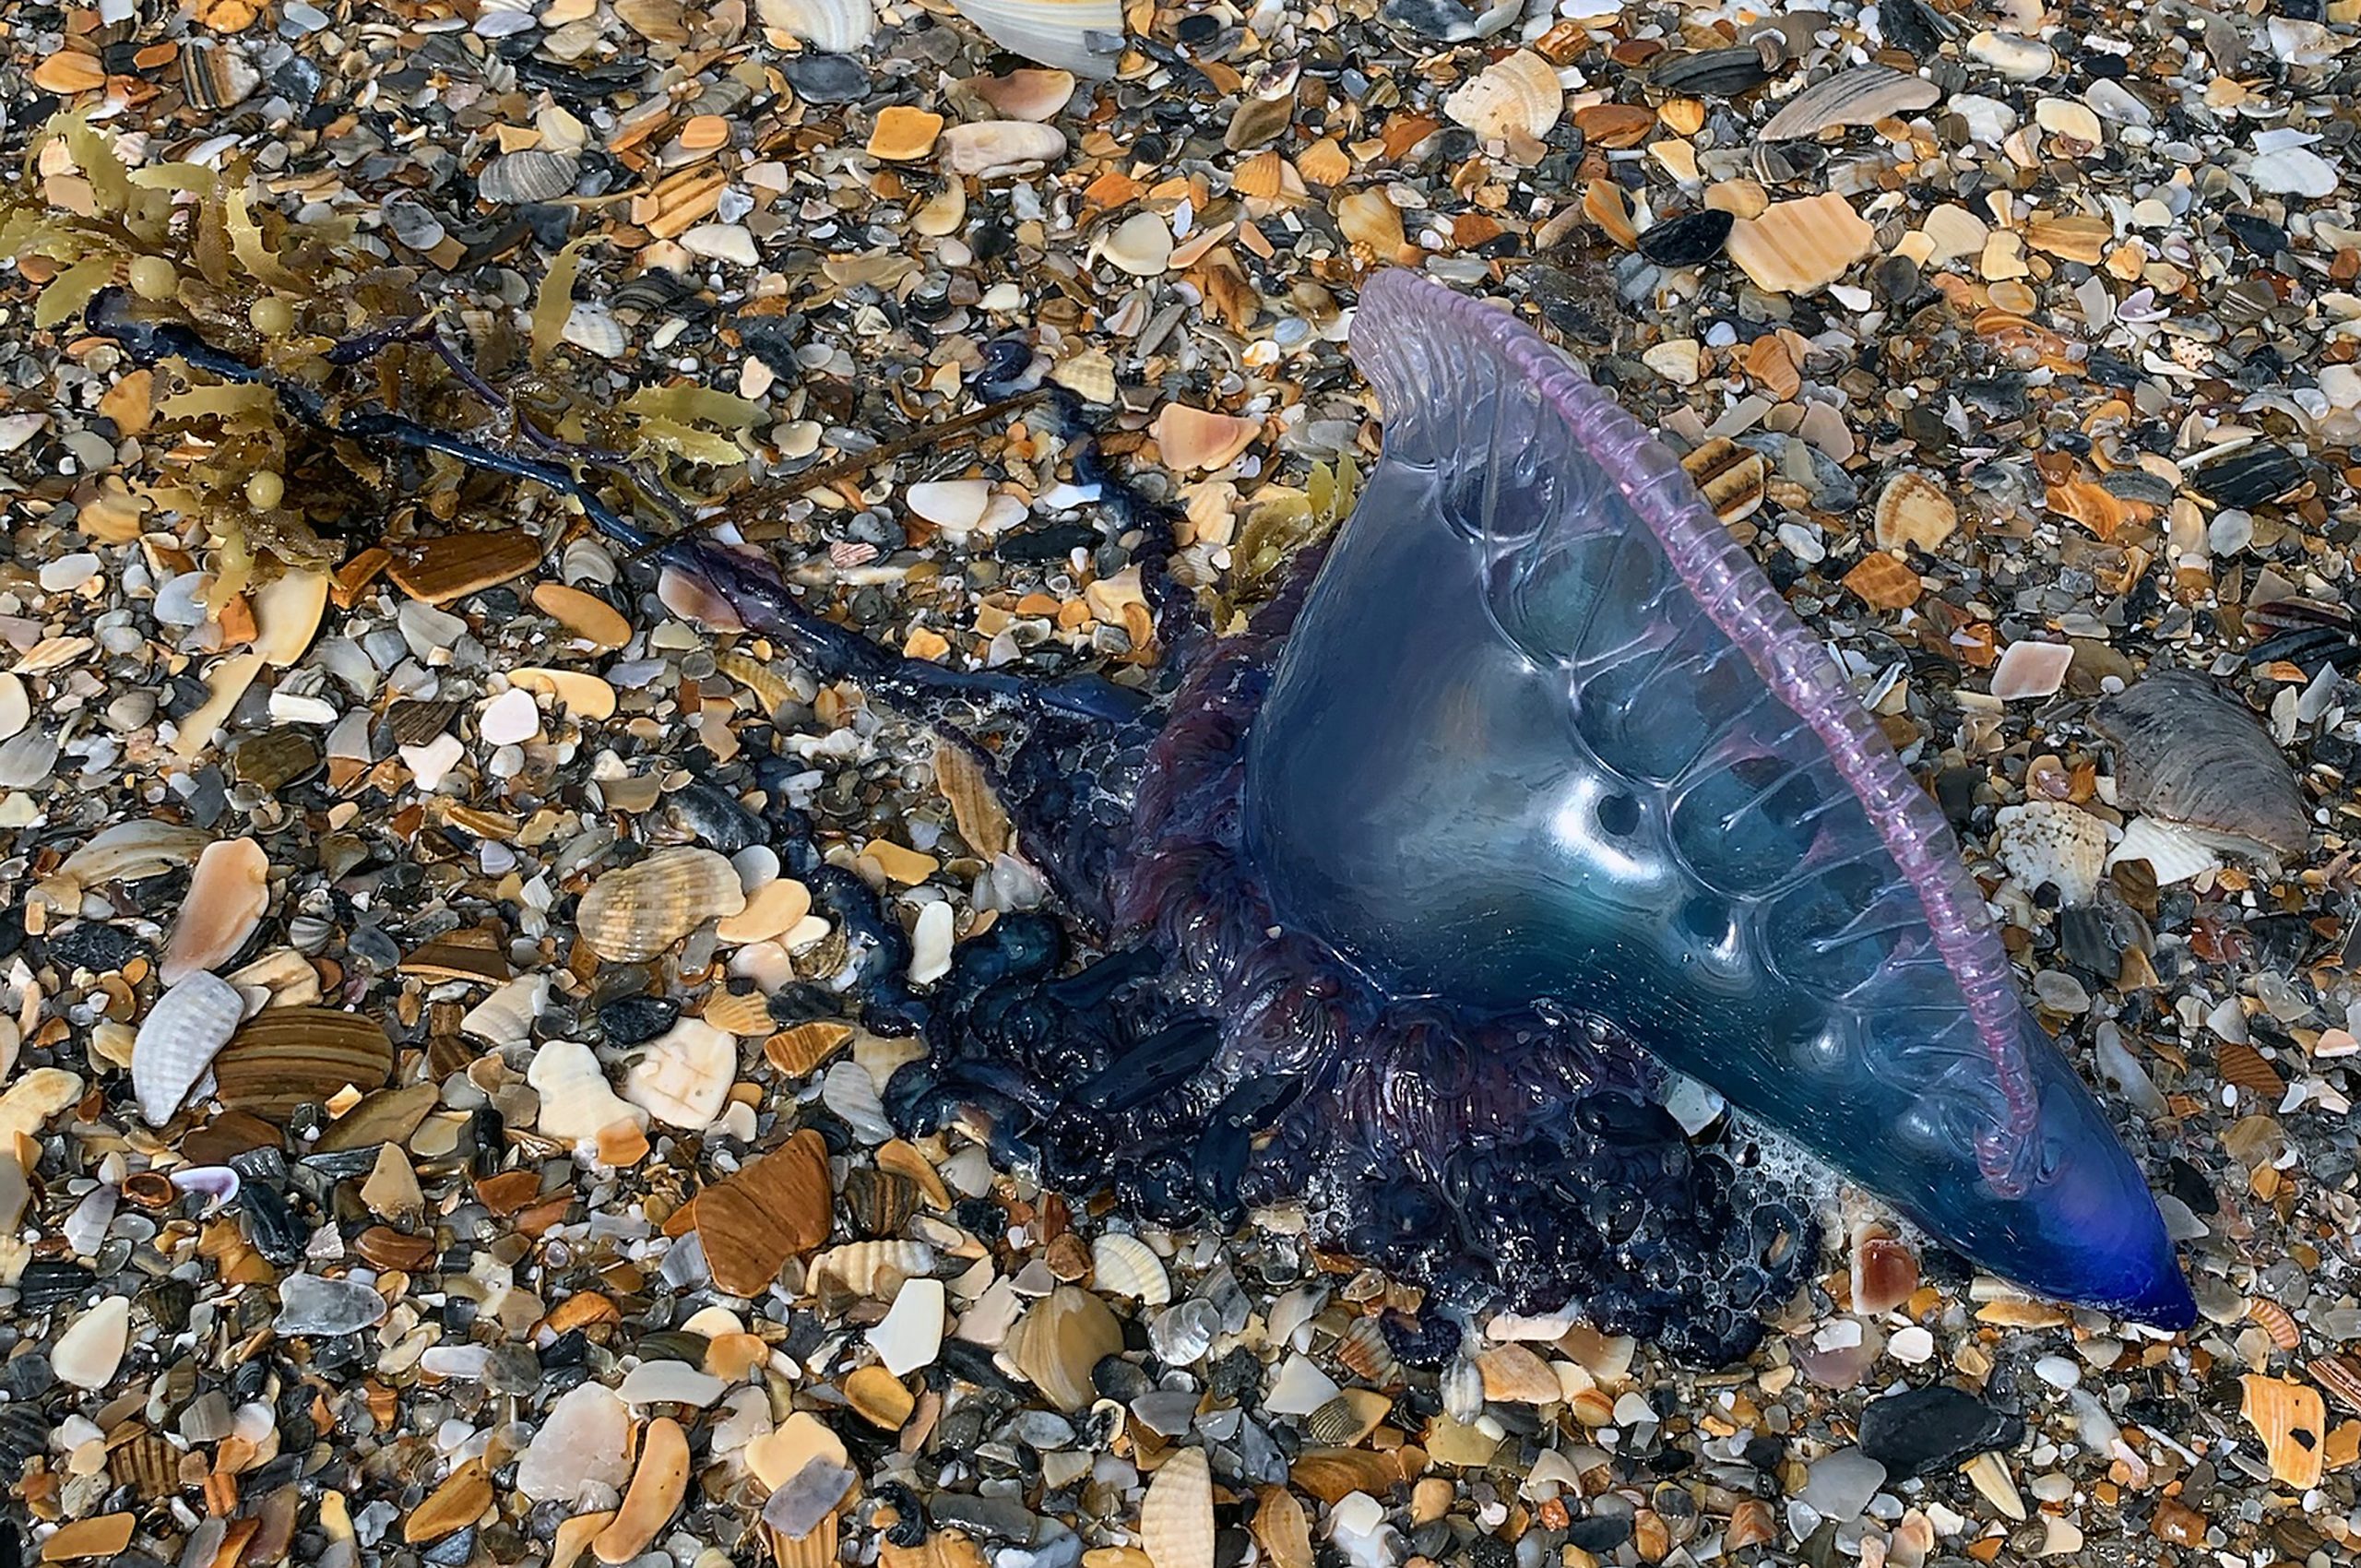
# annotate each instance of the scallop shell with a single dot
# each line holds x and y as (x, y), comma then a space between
(184, 1032)
(227, 899)
(1516, 100)
(683, 1075)
(635, 912)
(2293, 1420)
(1177, 1515)
(2173, 854)
(988, 148)
(2050, 841)
(1282, 1529)
(578, 1103)
(867, 1268)
(1081, 36)
(533, 174)
(837, 27)
(1125, 1265)
(1364, 1350)
(2189, 752)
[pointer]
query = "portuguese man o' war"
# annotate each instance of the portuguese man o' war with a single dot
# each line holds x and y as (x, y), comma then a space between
(1524, 789)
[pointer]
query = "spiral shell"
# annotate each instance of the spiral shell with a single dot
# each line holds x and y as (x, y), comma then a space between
(635, 912)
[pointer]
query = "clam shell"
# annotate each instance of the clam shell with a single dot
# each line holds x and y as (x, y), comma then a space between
(1026, 94)
(227, 899)
(2173, 854)
(2189, 752)
(1516, 100)
(1126, 1266)
(1177, 1515)
(1282, 1529)
(533, 174)
(990, 147)
(2050, 841)
(183, 1033)
(291, 1057)
(880, 1202)
(578, 1103)
(868, 1269)
(1059, 1340)
(125, 852)
(683, 1075)
(1861, 95)
(839, 27)
(849, 1090)
(505, 1017)
(1081, 36)
(636, 911)
(216, 75)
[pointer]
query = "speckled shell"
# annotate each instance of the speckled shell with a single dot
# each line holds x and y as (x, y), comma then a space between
(635, 912)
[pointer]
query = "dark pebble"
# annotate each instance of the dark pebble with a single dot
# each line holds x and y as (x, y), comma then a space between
(272, 1225)
(2258, 233)
(633, 1020)
(1690, 240)
(1599, 1533)
(827, 78)
(28, 1377)
(91, 944)
(2249, 477)
(991, 1516)
(1921, 1431)
(1441, 19)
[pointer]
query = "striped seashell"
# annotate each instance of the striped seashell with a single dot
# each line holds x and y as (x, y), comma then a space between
(1363, 1348)
(1127, 1266)
(1177, 1515)
(533, 174)
(862, 1268)
(183, 1033)
(839, 27)
(636, 911)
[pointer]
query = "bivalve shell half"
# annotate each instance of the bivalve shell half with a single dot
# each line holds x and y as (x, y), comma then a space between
(1081, 36)
(2053, 843)
(183, 1032)
(2188, 752)
(1126, 1266)
(635, 912)
(578, 1103)
(228, 896)
(1177, 1515)
(1861, 95)
(837, 27)
(291, 1057)
(1516, 100)
(870, 1270)
(1026, 94)
(533, 174)
(990, 148)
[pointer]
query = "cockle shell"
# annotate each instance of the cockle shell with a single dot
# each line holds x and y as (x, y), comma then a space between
(1516, 100)
(578, 1103)
(1177, 1515)
(1127, 1266)
(988, 148)
(505, 1017)
(1081, 36)
(683, 1075)
(227, 899)
(839, 27)
(183, 1033)
(635, 912)
(870, 1268)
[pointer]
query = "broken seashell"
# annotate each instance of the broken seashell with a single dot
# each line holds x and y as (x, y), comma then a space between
(1912, 510)
(126, 853)
(904, 134)
(990, 148)
(1060, 1339)
(1193, 438)
(2173, 854)
(2190, 753)
(1126, 1266)
(183, 1033)
(870, 1270)
(1797, 247)
(837, 27)
(683, 1075)
(227, 897)
(1177, 1514)
(1860, 95)
(2053, 843)
(1141, 245)
(1026, 94)
(636, 911)
(1081, 36)
(1516, 100)
(2293, 1420)
(578, 1103)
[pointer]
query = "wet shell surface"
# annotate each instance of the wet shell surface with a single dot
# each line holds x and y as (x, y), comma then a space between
(683, 1077)
(125, 852)
(636, 911)
(2052, 842)
(990, 148)
(183, 1032)
(1126, 1266)
(837, 27)
(1516, 100)
(578, 1103)
(1860, 96)
(227, 899)
(1081, 36)
(2189, 752)
(871, 1268)
(1177, 1515)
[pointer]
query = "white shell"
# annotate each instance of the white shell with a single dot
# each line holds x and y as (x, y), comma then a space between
(2054, 842)
(89, 1350)
(990, 148)
(1125, 1265)
(2174, 853)
(578, 1103)
(1516, 100)
(126, 852)
(860, 1268)
(1081, 36)
(1177, 1514)
(228, 896)
(593, 326)
(837, 26)
(685, 1074)
(178, 1041)
(636, 911)
(505, 1017)
(852, 1093)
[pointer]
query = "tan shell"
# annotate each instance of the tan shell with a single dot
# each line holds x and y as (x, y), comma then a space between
(228, 896)
(1516, 100)
(870, 1270)
(1125, 1265)
(1282, 1529)
(1195, 438)
(1797, 247)
(289, 1056)
(1060, 1338)
(1913, 511)
(988, 148)
(2293, 1420)
(635, 912)
(1177, 1515)
(879, 1398)
(1026, 94)
(777, 1206)
(1364, 1350)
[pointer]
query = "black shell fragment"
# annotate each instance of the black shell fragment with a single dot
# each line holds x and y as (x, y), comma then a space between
(2252, 476)
(1716, 73)
(1689, 240)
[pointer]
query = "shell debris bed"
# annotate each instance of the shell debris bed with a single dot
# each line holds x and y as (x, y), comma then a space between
(408, 1162)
